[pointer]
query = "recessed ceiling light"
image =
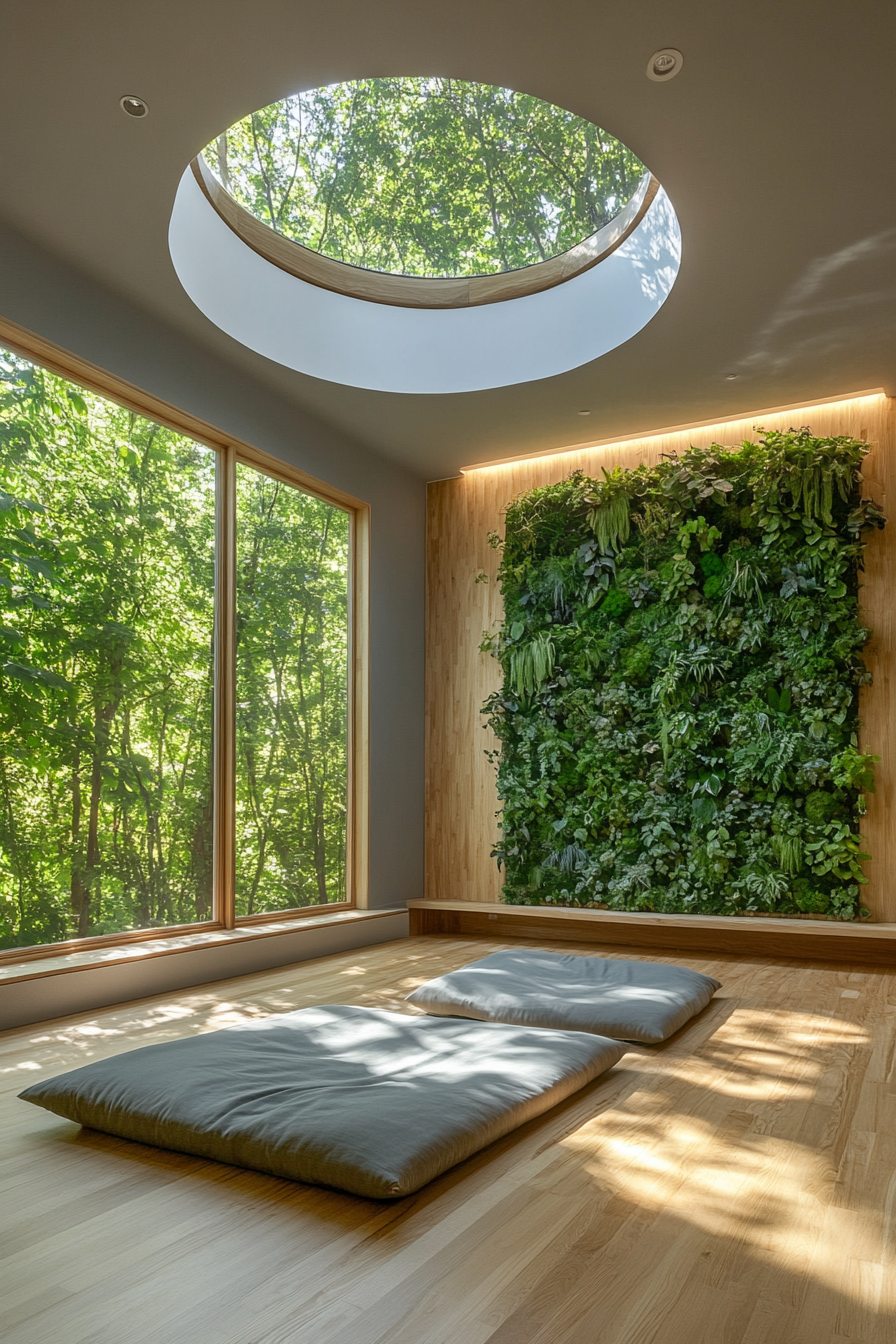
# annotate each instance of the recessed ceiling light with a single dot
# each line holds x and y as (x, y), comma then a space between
(731, 376)
(664, 65)
(584, 412)
(135, 107)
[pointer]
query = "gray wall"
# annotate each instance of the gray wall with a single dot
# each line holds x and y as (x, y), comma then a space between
(47, 296)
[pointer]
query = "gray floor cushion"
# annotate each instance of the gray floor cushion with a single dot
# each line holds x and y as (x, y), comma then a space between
(373, 1102)
(628, 1000)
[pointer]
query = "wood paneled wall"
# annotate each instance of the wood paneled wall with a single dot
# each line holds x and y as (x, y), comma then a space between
(463, 601)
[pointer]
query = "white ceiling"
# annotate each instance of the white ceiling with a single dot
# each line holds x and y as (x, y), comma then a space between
(775, 143)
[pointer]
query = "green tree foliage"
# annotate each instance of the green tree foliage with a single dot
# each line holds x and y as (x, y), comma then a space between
(292, 696)
(682, 659)
(106, 682)
(424, 177)
(107, 532)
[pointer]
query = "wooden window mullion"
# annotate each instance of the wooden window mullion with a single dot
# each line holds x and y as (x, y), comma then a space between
(225, 690)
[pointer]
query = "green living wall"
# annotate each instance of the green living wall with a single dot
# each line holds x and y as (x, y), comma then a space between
(682, 656)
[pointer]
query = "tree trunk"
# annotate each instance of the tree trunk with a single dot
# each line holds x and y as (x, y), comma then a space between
(102, 722)
(320, 847)
(201, 849)
(93, 831)
(80, 893)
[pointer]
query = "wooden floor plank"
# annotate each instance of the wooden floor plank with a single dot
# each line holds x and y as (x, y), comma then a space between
(736, 1185)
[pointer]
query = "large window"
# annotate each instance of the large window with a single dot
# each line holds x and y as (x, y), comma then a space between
(292, 696)
(175, 675)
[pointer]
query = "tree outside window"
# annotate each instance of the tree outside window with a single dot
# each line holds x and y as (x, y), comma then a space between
(108, 679)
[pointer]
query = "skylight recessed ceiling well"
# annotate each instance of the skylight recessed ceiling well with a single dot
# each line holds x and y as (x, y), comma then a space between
(476, 213)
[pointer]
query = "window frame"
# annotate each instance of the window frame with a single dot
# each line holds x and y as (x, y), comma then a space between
(229, 451)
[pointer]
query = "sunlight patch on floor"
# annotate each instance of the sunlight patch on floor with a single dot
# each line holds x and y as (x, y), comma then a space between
(732, 1180)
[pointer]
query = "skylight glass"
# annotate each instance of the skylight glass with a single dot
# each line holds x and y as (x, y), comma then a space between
(426, 177)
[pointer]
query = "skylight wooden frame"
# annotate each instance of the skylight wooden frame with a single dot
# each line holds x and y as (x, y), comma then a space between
(412, 291)
(230, 451)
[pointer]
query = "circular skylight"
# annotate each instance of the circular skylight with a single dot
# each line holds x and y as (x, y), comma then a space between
(423, 236)
(435, 178)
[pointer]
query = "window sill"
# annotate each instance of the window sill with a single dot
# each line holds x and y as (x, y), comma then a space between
(119, 954)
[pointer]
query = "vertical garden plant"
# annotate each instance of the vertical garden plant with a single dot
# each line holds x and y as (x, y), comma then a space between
(682, 657)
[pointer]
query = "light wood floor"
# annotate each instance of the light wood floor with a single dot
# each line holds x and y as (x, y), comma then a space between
(734, 1187)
